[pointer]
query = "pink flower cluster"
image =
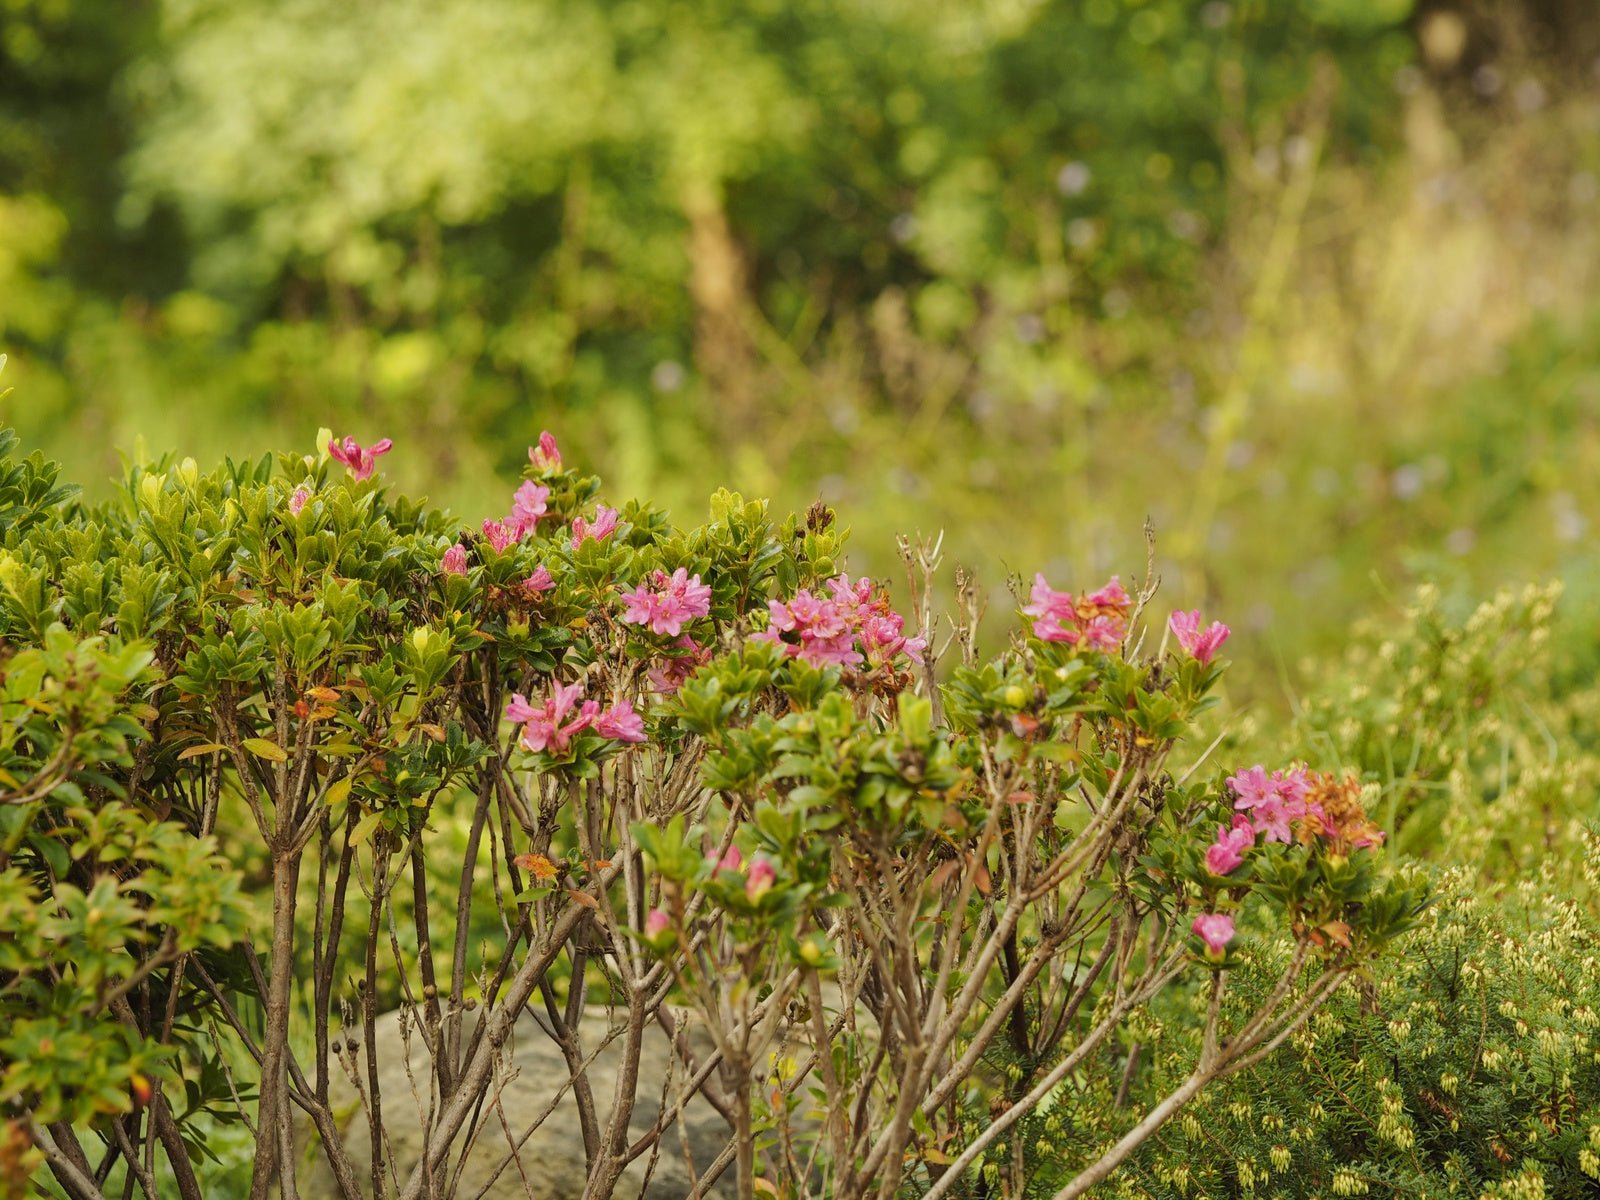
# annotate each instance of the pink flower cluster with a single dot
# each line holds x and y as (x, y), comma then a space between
(1282, 805)
(1098, 619)
(670, 602)
(1202, 644)
(822, 631)
(758, 879)
(358, 460)
(1321, 806)
(554, 724)
(528, 505)
(1272, 801)
(530, 502)
(298, 500)
(668, 675)
(603, 526)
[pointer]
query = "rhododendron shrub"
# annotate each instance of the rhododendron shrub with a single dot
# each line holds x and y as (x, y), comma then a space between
(575, 752)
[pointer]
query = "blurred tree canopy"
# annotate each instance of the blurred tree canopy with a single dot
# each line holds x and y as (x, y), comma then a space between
(557, 197)
(937, 260)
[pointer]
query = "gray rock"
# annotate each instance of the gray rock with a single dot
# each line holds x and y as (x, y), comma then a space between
(533, 1071)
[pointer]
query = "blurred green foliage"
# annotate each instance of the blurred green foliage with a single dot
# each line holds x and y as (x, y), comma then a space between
(1024, 271)
(447, 214)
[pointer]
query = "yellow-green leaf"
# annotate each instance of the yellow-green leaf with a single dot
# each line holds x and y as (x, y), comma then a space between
(364, 828)
(262, 748)
(202, 748)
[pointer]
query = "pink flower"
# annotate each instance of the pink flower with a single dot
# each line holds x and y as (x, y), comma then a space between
(883, 637)
(1104, 633)
(1251, 786)
(1111, 595)
(527, 506)
(540, 580)
(519, 711)
(621, 723)
(1201, 644)
(1272, 801)
(1272, 818)
(1227, 852)
(760, 879)
(656, 924)
(674, 600)
(822, 634)
(1098, 619)
(563, 698)
(1215, 930)
(359, 462)
(1294, 786)
(732, 860)
(1050, 609)
(1048, 629)
(605, 523)
(838, 651)
(454, 561)
(500, 535)
(848, 596)
(549, 728)
(298, 500)
(545, 456)
(669, 676)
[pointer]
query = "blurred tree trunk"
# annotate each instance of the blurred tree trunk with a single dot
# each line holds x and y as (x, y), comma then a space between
(722, 345)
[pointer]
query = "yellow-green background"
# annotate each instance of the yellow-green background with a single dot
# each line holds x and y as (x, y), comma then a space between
(1310, 283)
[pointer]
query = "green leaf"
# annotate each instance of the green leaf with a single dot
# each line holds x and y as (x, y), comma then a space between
(364, 828)
(203, 748)
(264, 748)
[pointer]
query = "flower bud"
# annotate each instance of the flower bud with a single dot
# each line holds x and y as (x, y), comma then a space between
(761, 878)
(1216, 931)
